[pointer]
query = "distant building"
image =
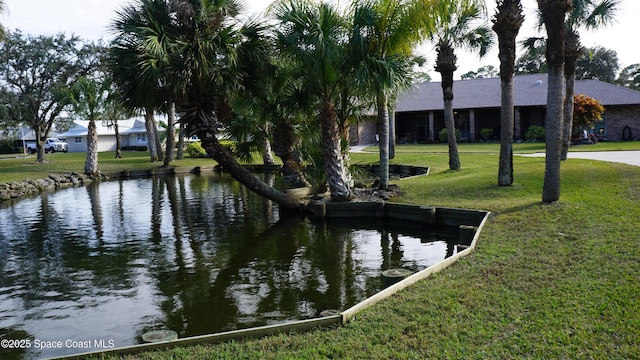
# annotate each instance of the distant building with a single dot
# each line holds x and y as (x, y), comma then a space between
(419, 114)
(133, 135)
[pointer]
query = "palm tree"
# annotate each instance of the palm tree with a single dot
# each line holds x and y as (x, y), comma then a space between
(553, 14)
(384, 33)
(455, 26)
(88, 98)
(313, 37)
(585, 14)
(217, 57)
(139, 61)
(506, 24)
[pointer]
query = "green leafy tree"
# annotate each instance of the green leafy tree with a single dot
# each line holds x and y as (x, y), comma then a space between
(38, 73)
(456, 24)
(533, 60)
(598, 63)
(586, 111)
(630, 77)
(484, 72)
(507, 23)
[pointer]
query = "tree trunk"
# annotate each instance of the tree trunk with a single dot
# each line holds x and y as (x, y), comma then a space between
(505, 168)
(572, 53)
(335, 172)
(507, 24)
(553, 13)
(392, 132)
(446, 65)
(116, 129)
(158, 142)
(91, 164)
(220, 154)
(171, 134)
(39, 145)
(284, 145)
(383, 144)
(180, 154)
(267, 154)
(151, 138)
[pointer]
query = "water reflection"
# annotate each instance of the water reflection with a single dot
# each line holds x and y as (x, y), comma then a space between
(195, 254)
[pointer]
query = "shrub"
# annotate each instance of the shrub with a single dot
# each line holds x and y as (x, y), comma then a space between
(443, 135)
(486, 134)
(195, 150)
(535, 133)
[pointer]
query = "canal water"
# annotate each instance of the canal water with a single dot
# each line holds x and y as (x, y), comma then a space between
(92, 268)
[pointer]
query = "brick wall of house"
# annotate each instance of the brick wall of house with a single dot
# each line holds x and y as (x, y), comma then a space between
(620, 116)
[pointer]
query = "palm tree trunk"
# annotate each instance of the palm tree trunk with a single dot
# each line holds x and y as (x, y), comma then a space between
(392, 132)
(158, 142)
(220, 154)
(171, 134)
(507, 24)
(554, 136)
(383, 144)
(180, 154)
(553, 13)
(91, 164)
(572, 53)
(116, 129)
(267, 154)
(151, 138)
(446, 64)
(284, 146)
(335, 172)
(505, 168)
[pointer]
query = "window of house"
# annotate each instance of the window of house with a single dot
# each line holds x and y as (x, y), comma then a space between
(142, 138)
(78, 139)
(600, 127)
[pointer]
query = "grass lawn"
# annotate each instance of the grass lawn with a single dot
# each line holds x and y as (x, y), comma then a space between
(557, 281)
(494, 148)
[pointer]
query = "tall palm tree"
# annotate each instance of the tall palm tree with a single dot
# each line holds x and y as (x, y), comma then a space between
(456, 26)
(506, 24)
(217, 57)
(553, 14)
(384, 33)
(88, 99)
(313, 36)
(586, 14)
(139, 60)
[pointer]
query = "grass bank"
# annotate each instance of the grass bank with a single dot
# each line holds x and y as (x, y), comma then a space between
(14, 168)
(546, 281)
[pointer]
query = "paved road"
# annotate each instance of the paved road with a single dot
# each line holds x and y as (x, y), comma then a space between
(625, 157)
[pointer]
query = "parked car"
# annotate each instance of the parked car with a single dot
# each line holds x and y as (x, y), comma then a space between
(50, 145)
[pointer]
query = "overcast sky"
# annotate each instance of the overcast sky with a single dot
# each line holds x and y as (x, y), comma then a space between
(90, 19)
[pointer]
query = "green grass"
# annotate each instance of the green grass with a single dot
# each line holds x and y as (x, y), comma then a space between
(558, 281)
(18, 168)
(494, 148)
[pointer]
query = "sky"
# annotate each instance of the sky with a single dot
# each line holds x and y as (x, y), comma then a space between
(90, 20)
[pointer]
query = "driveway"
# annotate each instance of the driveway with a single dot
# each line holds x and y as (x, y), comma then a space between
(625, 157)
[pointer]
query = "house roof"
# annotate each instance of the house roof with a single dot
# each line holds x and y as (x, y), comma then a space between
(528, 90)
(129, 126)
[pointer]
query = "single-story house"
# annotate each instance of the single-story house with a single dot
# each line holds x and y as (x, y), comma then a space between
(133, 134)
(419, 114)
